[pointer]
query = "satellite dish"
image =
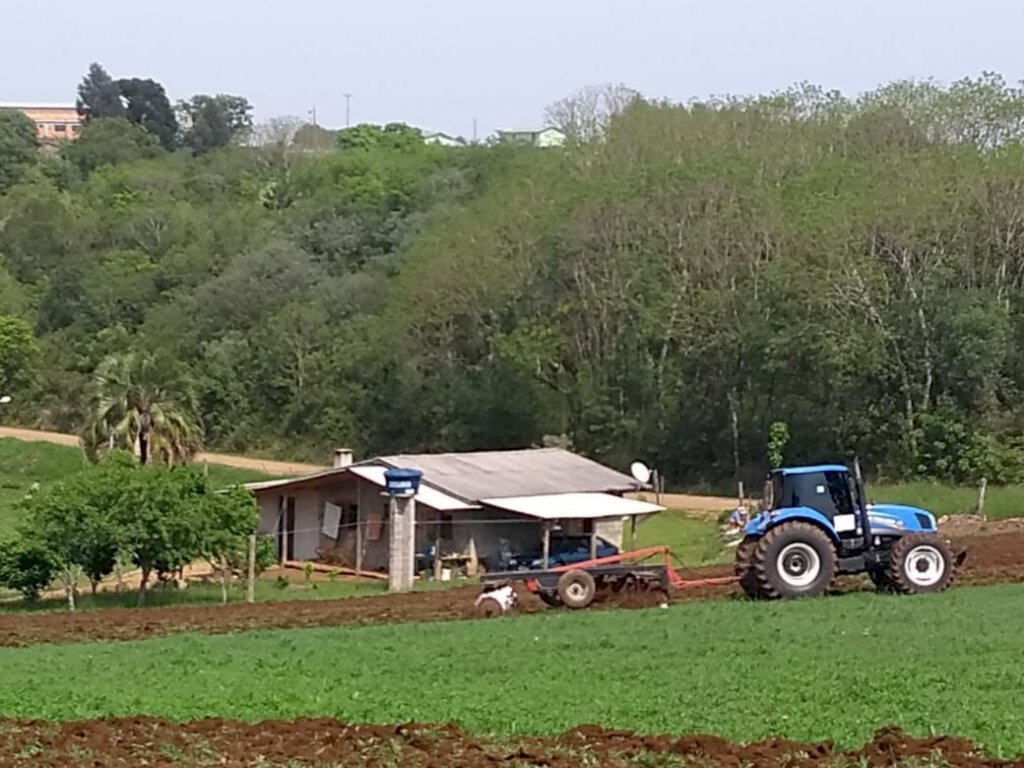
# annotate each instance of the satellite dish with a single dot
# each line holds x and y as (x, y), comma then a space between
(640, 472)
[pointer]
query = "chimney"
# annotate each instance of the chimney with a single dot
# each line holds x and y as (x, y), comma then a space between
(342, 457)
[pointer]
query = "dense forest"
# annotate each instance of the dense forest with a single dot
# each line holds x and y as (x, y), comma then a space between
(667, 286)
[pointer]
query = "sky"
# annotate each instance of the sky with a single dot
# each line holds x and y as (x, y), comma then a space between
(441, 64)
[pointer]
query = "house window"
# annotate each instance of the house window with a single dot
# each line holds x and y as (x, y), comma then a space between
(60, 128)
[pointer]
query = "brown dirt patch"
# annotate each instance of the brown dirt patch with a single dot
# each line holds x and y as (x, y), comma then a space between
(972, 525)
(326, 742)
(991, 559)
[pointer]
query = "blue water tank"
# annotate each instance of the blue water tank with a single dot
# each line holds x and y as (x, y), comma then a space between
(402, 482)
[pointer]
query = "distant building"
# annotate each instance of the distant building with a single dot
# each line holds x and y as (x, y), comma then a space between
(444, 139)
(536, 137)
(54, 122)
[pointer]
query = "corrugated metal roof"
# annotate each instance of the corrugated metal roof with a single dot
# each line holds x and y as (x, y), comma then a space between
(37, 105)
(529, 472)
(574, 506)
(425, 495)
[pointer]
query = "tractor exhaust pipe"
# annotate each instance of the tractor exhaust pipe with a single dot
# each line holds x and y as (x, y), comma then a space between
(862, 502)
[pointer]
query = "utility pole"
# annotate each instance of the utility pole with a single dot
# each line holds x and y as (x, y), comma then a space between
(313, 113)
(347, 96)
(474, 130)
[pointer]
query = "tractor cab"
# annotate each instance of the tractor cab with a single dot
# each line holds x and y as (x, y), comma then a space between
(828, 489)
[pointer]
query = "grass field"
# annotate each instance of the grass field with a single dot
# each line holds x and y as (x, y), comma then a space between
(694, 540)
(23, 464)
(1000, 502)
(833, 668)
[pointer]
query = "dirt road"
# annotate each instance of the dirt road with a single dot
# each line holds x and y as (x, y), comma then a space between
(267, 466)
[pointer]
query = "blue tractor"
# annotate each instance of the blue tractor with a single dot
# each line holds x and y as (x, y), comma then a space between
(817, 524)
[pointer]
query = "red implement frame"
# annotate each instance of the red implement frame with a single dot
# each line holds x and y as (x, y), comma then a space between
(675, 580)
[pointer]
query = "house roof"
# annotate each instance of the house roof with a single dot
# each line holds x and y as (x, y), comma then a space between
(37, 105)
(528, 472)
(425, 495)
(545, 129)
(470, 477)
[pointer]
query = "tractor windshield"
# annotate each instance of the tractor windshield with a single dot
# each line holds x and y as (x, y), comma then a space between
(842, 493)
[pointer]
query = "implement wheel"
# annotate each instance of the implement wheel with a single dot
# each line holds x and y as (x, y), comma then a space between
(576, 589)
(920, 562)
(794, 560)
(489, 608)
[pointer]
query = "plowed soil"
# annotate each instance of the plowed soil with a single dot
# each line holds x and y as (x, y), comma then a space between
(991, 559)
(324, 742)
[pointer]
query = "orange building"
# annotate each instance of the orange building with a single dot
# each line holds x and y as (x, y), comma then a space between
(54, 122)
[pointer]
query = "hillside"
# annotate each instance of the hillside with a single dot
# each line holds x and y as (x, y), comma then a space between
(851, 267)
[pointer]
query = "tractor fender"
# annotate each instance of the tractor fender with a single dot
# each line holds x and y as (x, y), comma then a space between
(764, 522)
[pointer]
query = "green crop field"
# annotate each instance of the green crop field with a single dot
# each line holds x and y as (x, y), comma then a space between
(834, 668)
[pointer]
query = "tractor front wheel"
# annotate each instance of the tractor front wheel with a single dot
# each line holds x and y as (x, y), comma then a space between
(920, 562)
(794, 560)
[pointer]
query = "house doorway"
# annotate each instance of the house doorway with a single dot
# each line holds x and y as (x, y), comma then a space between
(286, 529)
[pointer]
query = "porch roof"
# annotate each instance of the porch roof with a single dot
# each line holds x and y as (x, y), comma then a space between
(574, 506)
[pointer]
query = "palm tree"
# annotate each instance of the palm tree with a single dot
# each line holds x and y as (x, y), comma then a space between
(141, 403)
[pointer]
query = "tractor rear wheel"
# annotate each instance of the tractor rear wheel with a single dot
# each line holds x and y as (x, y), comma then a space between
(744, 566)
(920, 562)
(794, 560)
(576, 589)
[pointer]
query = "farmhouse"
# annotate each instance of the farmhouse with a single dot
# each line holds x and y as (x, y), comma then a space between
(474, 509)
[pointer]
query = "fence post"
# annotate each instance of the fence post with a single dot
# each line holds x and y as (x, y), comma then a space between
(981, 498)
(224, 580)
(250, 577)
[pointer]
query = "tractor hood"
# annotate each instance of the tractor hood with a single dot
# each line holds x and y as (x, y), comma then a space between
(885, 519)
(897, 518)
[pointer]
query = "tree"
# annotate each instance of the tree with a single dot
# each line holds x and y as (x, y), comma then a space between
(26, 566)
(215, 121)
(147, 105)
(75, 521)
(393, 136)
(18, 147)
(99, 96)
(110, 141)
(314, 138)
(778, 439)
(18, 353)
(144, 403)
(167, 518)
(585, 115)
(229, 519)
